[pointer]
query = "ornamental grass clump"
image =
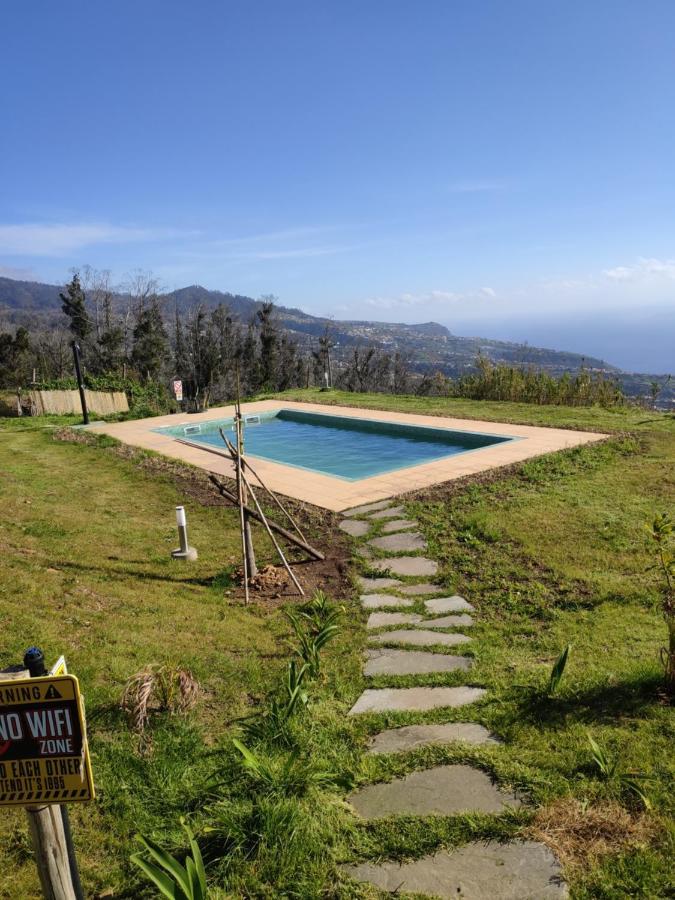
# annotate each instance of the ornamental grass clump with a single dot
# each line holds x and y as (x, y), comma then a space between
(158, 689)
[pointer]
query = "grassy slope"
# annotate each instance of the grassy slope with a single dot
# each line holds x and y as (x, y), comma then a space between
(552, 555)
(85, 571)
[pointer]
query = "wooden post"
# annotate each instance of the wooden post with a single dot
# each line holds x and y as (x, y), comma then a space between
(49, 827)
(51, 852)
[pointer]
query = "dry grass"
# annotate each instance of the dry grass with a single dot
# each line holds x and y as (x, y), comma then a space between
(581, 833)
(158, 689)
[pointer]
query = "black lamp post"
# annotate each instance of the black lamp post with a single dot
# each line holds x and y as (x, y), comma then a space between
(80, 383)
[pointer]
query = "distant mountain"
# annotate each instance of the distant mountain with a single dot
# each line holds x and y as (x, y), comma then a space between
(428, 346)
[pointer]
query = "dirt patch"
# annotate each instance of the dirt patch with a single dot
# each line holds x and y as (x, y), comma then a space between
(331, 574)
(580, 833)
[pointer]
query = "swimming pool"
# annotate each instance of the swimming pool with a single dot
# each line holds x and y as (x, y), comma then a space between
(340, 446)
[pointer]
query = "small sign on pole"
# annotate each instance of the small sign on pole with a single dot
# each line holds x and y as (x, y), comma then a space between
(178, 389)
(44, 755)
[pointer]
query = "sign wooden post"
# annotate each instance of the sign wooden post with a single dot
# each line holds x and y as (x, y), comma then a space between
(44, 761)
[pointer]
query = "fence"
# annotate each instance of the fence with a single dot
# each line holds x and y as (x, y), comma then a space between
(61, 403)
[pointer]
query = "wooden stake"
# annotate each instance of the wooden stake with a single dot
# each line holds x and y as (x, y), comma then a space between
(279, 529)
(247, 465)
(274, 540)
(242, 525)
(51, 853)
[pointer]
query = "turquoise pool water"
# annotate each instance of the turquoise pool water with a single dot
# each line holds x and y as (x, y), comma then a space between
(336, 445)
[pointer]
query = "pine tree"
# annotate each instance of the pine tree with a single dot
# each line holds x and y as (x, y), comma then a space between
(73, 304)
(149, 341)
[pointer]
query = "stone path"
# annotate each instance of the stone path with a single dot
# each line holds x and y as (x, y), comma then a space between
(414, 699)
(412, 662)
(440, 791)
(409, 737)
(515, 870)
(378, 601)
(520, 870)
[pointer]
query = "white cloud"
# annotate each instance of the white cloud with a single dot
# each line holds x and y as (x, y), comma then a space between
(489, 292)
(644, 269)
(61, 239)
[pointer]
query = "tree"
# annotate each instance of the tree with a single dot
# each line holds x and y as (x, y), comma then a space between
(13, 352)
(73, 304)
(269, 341)
(149, 340)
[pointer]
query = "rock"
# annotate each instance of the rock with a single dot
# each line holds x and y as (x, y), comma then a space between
(447, 605)
(406, 565)
(398, 740)
(419, 638)
(412, 662)
(355, 527)
(418, 589)
(517, 870)
(377, 584)
(366, 508)
(393, 512)
(398, 525)
(440, 791)
(365, 552)
(403, 541)
(414, 699)
(385, 619)
(377, 601)
(460, 621)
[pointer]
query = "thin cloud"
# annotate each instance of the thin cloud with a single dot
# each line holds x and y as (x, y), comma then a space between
(62, 239)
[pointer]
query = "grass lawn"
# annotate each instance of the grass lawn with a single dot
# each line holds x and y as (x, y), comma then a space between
(550, 553)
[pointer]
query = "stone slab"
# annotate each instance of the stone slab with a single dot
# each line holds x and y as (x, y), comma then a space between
(463, 620)
(407, 565)
(377, 584)
(419, 589)
(447, 605)
(397, 543)
(354, 527)
(378, 601)
(409, 737)
(412, 662)
(518, 870)
(394, 512)
(440, 791)
(386, 619)
(365, 552)
(398, 525)
(415, 699)
(420, 638)
(366, 508)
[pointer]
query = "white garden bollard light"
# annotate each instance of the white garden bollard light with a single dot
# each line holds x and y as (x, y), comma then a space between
(185, 551)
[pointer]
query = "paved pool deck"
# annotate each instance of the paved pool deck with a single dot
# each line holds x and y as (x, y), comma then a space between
(334, 493)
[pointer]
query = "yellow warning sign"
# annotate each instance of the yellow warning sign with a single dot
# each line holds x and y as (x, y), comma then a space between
(44, 757)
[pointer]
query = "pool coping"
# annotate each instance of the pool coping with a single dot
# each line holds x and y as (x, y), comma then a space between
(191, 442)
(328, 492)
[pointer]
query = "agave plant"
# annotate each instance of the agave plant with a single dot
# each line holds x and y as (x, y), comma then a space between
(558, 670)
(608, 766)
(172, 879)
(273, 723)
(314, 624)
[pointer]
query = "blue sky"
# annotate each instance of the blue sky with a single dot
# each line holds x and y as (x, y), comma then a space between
(504, 168)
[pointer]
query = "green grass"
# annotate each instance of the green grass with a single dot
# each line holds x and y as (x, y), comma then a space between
(550, 553)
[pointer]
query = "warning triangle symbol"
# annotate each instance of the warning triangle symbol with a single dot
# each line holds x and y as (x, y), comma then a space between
(52, 693)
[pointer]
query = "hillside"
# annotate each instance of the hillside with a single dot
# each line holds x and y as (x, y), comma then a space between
(428, 346)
